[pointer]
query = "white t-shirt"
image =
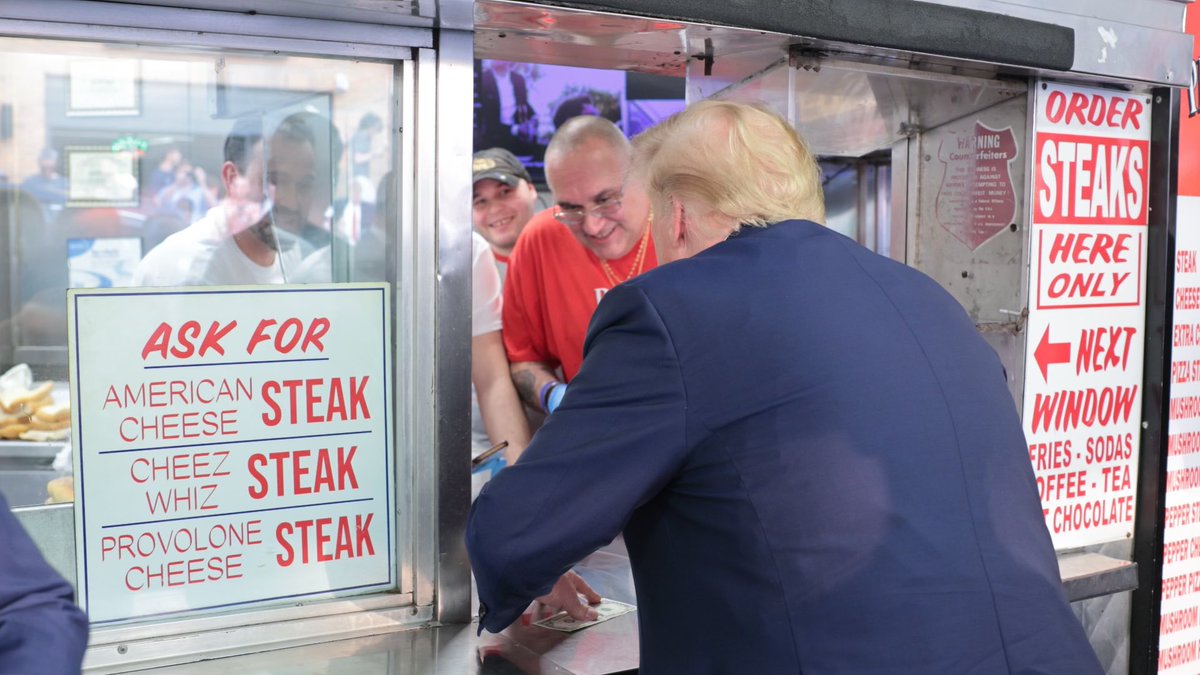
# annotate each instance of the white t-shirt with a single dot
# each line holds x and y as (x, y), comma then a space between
(486, 301)
(485, 288)
(205, 254)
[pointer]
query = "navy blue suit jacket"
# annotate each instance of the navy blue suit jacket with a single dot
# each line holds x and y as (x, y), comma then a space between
(817, 466)
(41, 629)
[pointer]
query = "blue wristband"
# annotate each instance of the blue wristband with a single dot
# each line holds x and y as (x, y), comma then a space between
(543, 393)
(555, 397)
(551, 395)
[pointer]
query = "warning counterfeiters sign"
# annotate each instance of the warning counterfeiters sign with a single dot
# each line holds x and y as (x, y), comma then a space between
(1083, 373)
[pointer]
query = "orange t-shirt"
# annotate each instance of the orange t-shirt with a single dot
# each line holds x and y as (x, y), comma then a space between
(552, 287)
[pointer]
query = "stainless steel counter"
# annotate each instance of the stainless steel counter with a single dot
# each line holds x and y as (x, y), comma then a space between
(609, 647)
(525, 649)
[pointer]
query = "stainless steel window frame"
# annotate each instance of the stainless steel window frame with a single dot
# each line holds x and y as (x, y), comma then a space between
(432, 329)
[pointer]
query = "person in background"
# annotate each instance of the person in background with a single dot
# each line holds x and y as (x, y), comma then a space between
(240, 241)
(358, 213)
(812, 453)
(496, 409)
(47, 186)
(165, 173)
(501, 204)
(502, 201)
(504, 116)
(41, 628)
(593, 238)
(362, 145)
(186, 196)
(496, 413)
(574, 107)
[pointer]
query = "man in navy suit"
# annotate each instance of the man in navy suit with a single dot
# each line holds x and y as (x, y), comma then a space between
(812, 454)
(41, 629)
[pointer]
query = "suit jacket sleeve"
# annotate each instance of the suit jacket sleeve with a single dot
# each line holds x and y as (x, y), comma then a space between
(41, 629)
(615, 441)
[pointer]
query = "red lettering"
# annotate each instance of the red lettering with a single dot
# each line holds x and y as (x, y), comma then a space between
(1075, 109)
(1055, 106)
(284, 344)
(1067, 410)
(323, 400)
(1095, 110)
(189, 331)
(316, 536)
(260, 334)
(212, 339)
(300, 464)
(316, 330)
(1090, 180)
(290, 334)
(158, 342)
(273, 418)
(299, 471)
(252, 465)
(282, 532)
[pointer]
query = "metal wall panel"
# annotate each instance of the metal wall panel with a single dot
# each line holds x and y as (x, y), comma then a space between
(455, 85)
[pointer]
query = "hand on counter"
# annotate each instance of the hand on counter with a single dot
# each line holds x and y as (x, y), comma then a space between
(565, 597)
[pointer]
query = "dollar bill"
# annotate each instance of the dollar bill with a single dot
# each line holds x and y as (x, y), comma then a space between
(607, 609)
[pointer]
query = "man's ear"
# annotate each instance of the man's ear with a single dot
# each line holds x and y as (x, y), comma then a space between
(679, 222)
(229, 173)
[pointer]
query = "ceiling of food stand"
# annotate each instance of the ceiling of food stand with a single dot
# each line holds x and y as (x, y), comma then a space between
(847, 101)
(387, 12)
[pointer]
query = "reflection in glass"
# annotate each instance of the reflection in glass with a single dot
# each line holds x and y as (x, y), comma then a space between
(131, 165)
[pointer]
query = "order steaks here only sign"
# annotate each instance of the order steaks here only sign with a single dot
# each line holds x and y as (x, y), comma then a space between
(233, 446)
(1083, 373)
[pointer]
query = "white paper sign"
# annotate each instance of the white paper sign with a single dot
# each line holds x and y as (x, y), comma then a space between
(233, 446)
(1083, 373)
(1179, 626)
(103, 262)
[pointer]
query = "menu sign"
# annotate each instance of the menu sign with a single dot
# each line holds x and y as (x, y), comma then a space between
(1082, 403)
(1179, 611)
(233, 446)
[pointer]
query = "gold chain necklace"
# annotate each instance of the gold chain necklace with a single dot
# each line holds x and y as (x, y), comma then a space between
(634, 269)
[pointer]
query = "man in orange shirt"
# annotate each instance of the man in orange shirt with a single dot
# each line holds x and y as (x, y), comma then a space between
(593, 238)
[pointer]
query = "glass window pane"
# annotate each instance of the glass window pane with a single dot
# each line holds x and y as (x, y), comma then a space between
(124, 165)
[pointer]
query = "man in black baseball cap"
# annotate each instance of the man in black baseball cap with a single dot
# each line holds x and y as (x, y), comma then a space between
(502, 200)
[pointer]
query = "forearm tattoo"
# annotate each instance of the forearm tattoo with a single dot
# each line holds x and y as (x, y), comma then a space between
(526, 382)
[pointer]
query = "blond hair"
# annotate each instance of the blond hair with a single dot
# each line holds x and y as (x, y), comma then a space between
(729, 164)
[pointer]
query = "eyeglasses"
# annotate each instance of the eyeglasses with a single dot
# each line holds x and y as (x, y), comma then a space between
(605, 207)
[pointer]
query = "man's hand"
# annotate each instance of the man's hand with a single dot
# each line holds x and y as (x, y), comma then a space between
(565, 596)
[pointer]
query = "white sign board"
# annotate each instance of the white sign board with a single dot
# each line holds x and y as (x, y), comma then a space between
(1179, 627)
(1083, 373)
(1179, 608)
(233, 446)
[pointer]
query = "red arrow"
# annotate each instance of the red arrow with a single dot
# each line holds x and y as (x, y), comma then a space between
(1048, 353)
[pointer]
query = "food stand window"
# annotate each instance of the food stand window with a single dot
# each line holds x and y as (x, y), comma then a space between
(115, 148)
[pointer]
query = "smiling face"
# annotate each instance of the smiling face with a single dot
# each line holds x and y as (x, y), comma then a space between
(499, 211)
(590, 176)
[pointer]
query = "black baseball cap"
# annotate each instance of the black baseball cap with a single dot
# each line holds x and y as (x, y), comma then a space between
(499, 164)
